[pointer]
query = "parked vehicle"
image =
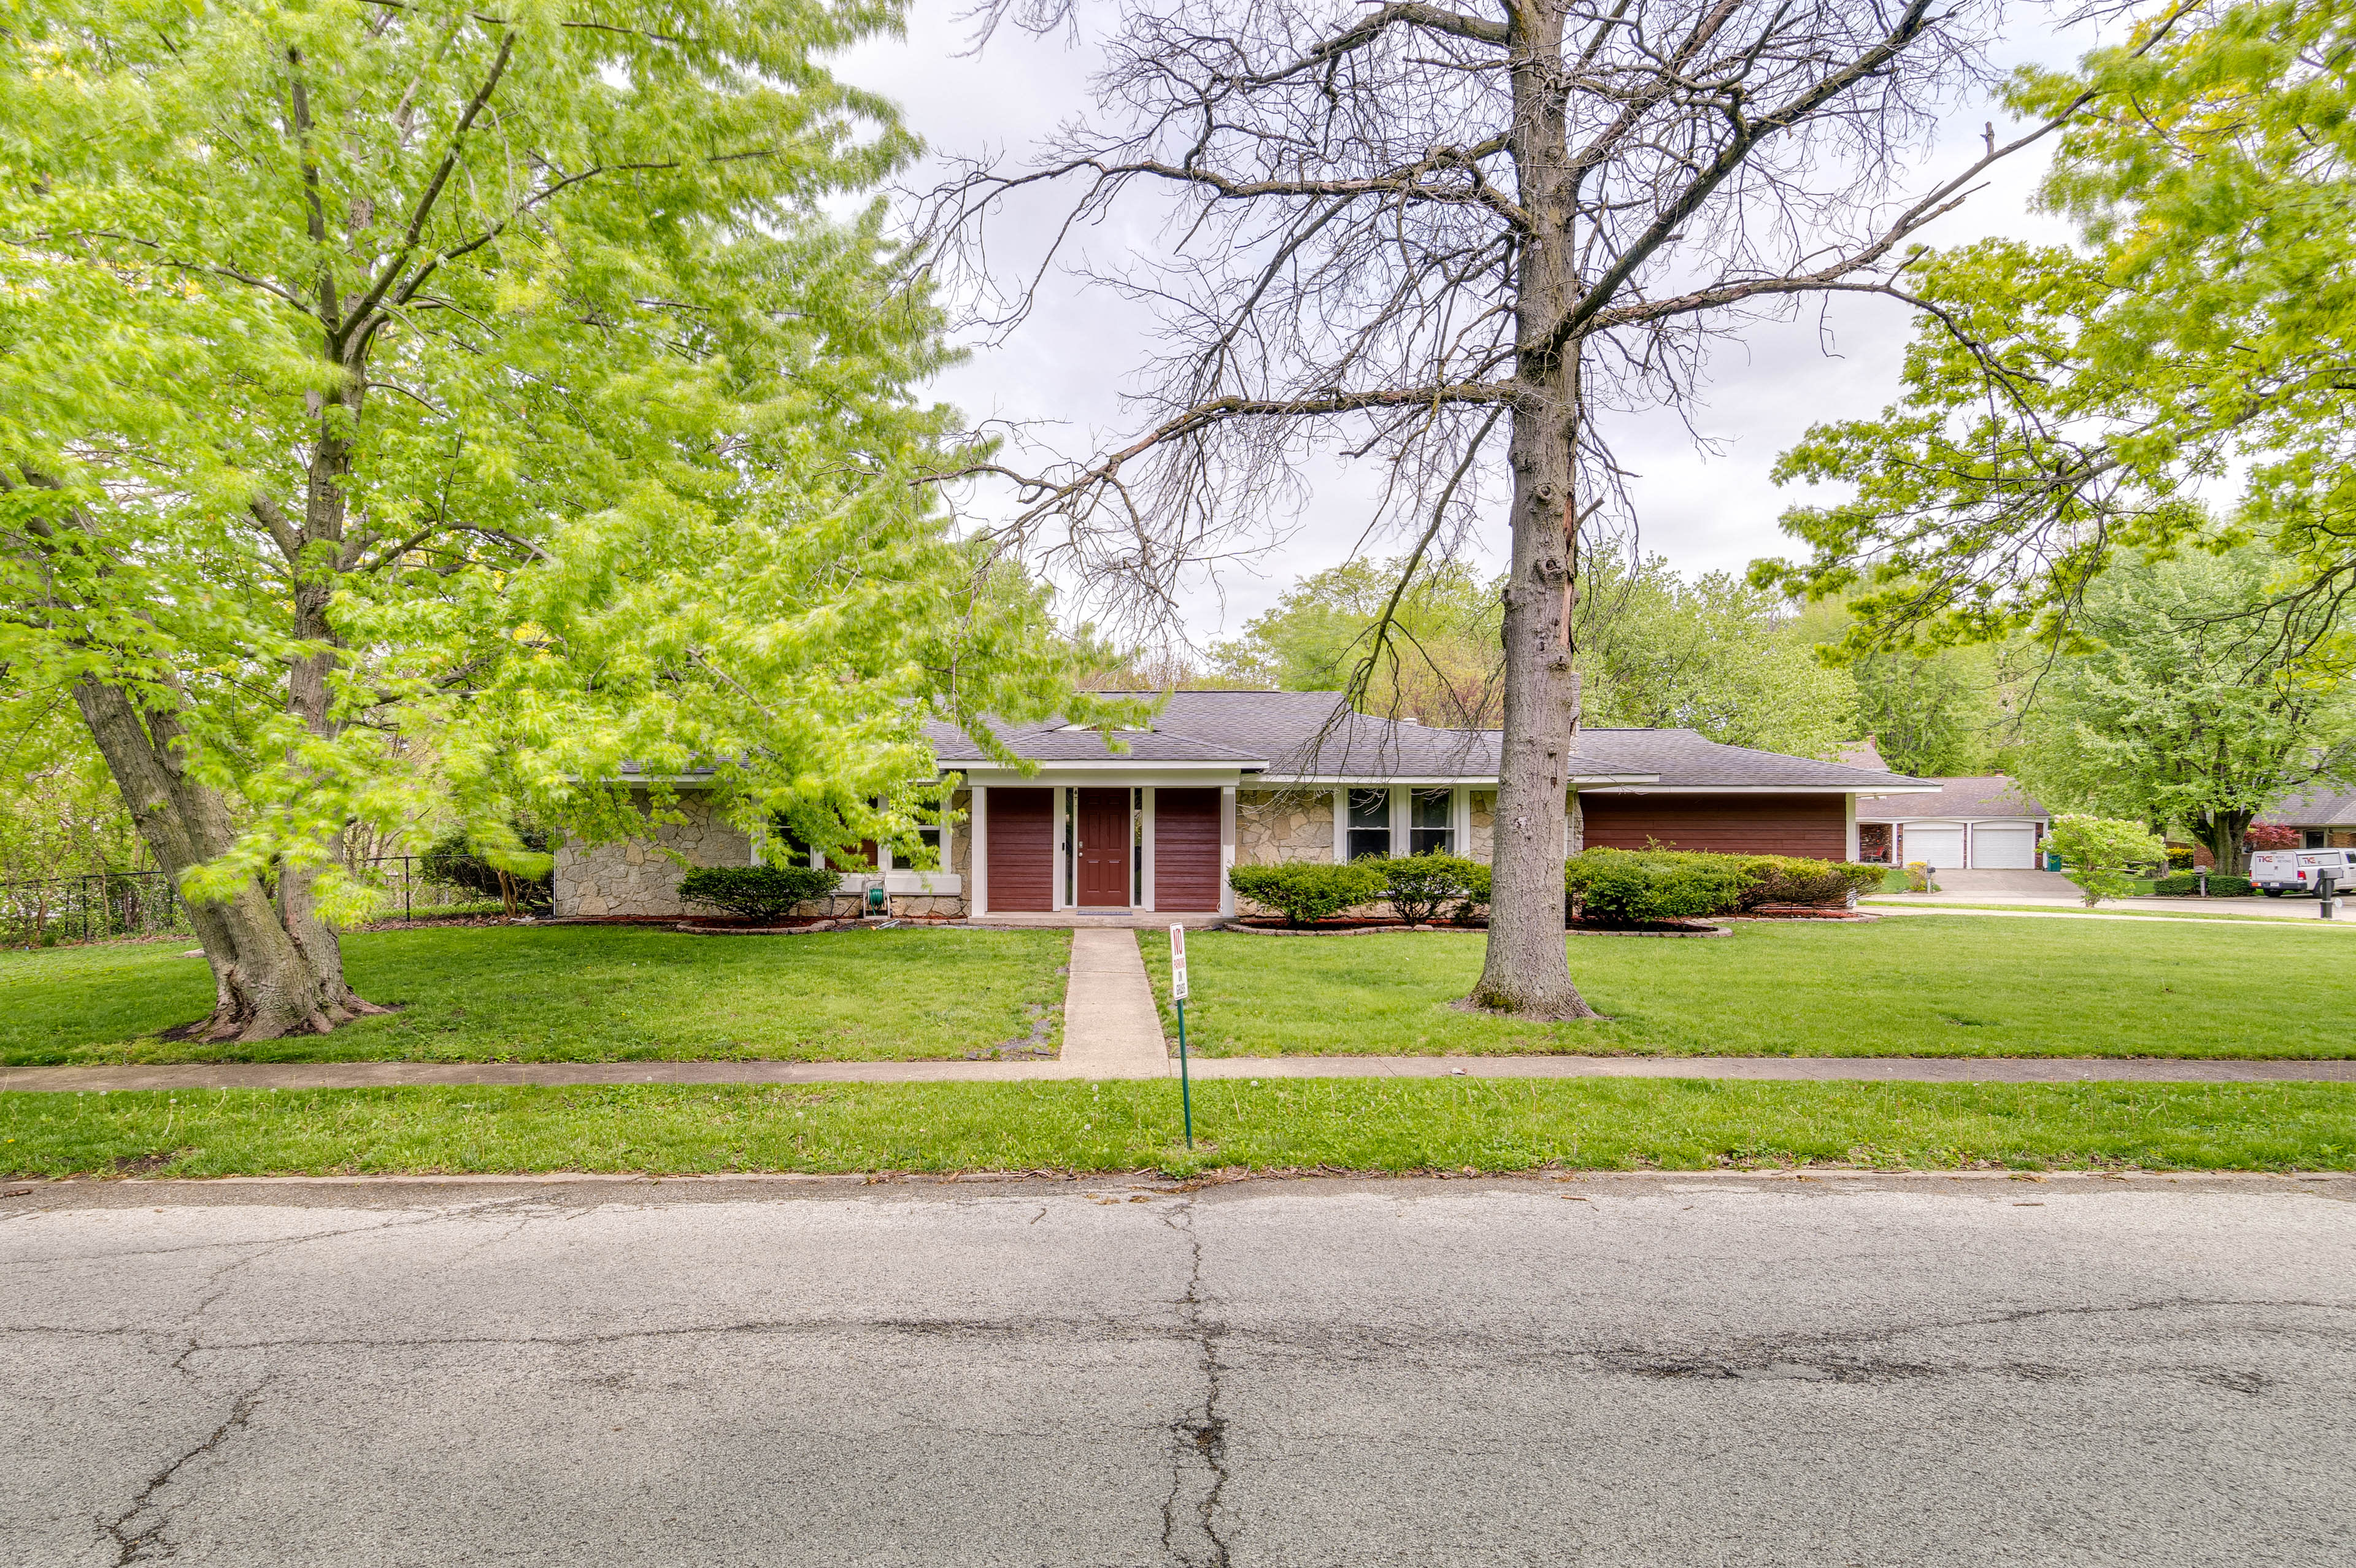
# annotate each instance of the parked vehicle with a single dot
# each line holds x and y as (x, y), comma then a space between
(2274, 872)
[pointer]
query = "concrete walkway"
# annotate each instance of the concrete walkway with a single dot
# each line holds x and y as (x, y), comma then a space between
(1130, 1062)
(1111, 1027)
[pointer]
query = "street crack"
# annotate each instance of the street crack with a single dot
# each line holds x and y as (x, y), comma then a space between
(146, 1543)
(1198, 1470)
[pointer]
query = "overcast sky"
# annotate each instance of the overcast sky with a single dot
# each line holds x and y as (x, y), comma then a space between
(1068, 363)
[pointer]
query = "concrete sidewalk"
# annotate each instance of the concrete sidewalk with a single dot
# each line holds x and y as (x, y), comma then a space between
(1127, 1061)
(2176, 913)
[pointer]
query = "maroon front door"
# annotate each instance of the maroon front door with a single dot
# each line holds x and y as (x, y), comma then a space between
(1104, 847)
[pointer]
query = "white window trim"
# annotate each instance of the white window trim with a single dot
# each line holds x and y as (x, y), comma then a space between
(1145, 828)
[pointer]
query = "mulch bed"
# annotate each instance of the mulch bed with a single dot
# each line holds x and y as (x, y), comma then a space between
(1649, 928)
(1263, 925)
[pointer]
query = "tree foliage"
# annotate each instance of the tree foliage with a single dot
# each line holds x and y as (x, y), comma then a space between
(1713, 654)
(2205, 698)
(374, 374)
(2065, 403)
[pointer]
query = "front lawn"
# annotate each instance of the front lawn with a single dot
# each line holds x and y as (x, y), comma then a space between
(574, 992)
(1359, 1125)
(1915, 986)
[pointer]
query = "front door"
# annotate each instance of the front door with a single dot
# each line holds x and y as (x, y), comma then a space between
(1104, 847)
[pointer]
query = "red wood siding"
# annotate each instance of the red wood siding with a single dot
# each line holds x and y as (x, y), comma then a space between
(1186, 849)
(1022, 829)
(1107, 846)
(1815, 825)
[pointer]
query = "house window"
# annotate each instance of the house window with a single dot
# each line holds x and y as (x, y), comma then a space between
(2314, 836)
(794, 850)
(1370, 823)
(930, 837)
(1432, 829)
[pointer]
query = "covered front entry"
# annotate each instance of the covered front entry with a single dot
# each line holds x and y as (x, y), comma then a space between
(1104, 847)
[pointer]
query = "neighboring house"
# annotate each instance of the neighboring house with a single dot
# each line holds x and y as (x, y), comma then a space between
(1968, 824)
(1220, 778)
(2323, 818)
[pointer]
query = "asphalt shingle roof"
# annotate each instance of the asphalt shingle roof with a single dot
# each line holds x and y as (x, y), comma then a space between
(2314, 809)
(1992, 794)
(1314, 734)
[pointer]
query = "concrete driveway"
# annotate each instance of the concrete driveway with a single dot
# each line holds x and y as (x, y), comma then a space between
(1643, 1370)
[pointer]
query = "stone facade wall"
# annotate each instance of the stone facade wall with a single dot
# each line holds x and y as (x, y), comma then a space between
(634, 876)
(1273, 825)
(1481, 805)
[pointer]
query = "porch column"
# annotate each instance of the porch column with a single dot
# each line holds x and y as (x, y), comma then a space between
(1227, 848)
(1341, 826)
(977, 892)
(1852, 825)
(1145, 872)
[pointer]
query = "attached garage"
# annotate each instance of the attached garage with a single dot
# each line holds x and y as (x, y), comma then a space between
(2004, 846)
(1937, 844)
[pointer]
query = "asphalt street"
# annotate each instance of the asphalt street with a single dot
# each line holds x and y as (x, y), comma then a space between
(1640, 1370)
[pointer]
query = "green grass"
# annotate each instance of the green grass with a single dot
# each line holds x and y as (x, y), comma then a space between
(1392, 1124)
(1917, 987)
(572, 994)
(2196, 912)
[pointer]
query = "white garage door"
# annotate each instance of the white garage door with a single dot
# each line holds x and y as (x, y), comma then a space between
(2006, 848)
(1932, 846)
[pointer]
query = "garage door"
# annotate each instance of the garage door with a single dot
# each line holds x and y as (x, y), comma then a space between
(2004, 848)
(1931, 845)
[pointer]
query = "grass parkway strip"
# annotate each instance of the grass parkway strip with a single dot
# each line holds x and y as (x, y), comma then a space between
(1444, 1123)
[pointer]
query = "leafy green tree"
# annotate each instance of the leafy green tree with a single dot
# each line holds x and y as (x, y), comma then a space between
(375, 373)
(2062, 404)
(1933, 714)
(60, 813)
(2103, 854)
(1438, 662)
(2204, 698)
(1713, 655)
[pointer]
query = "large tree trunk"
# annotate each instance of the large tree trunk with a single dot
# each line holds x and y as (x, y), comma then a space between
(273, 975)
(1527, 970)
(2224, 835)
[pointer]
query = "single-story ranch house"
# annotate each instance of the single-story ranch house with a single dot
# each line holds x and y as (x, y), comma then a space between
(2323, 818)
(1225, 777)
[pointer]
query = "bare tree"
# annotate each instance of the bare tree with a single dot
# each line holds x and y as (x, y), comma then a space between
(1447, 240)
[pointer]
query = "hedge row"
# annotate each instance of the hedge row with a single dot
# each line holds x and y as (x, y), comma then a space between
(1633, 887)
(1618, 886)
(2184, 884)
(1419, 887)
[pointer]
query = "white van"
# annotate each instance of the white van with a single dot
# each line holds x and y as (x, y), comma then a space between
(2274, 872)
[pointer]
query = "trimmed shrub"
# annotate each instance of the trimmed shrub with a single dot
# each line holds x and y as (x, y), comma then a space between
(1631, 887)
(2184, 884)
(1788, 880)
(1917, 876)
(1474, 904)
(1307, 890)
(1418, 885)
(451, 864)
(759, 892)
(2100, 853)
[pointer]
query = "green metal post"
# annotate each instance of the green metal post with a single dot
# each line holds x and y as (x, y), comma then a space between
(1185, 1089)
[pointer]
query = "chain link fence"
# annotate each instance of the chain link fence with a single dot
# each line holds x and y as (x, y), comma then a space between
(97, 905)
